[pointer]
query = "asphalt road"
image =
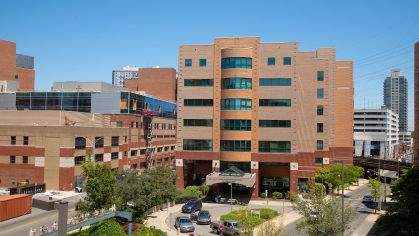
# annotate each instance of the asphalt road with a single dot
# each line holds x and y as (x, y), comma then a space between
(22, 225)
(216, 211)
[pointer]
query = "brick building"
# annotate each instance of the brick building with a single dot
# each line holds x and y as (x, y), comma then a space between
(269, 110)
(16, 67)
(158, 82)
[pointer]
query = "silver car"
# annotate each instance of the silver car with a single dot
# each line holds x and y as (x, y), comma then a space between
(184, 224)
(367, 198)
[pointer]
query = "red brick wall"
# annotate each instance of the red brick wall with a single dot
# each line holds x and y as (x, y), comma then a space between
(66, 178)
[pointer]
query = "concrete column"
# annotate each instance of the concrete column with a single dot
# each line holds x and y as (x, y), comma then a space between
(254, 191)
(294, 177)
(62, 218)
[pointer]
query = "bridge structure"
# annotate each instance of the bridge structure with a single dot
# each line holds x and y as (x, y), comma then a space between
(369, 163)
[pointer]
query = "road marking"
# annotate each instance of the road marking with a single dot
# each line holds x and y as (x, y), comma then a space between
(32, 222)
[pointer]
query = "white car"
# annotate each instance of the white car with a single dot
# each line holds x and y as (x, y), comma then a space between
(367, 198)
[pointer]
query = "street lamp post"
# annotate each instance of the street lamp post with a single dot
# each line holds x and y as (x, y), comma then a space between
(343, 196)
(231, 196)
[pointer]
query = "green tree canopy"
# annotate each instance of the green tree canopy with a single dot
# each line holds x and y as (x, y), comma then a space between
(321, 215)
(332, 174)
(401, 217)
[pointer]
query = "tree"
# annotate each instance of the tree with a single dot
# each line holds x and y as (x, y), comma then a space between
(100, 187)
(376, 189)
(271, 227)
(321, 215)
(401, 217)
(332, 175)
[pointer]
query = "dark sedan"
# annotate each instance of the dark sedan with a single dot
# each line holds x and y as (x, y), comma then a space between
(203, 217)
(192, 205)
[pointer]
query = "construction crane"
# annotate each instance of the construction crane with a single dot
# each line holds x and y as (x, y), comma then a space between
(149, 151)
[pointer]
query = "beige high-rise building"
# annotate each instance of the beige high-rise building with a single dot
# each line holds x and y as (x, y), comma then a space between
(273, 112)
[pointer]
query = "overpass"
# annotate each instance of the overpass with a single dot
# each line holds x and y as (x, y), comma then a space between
(368, 163)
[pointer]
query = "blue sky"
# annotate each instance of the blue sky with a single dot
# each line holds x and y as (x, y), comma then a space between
(85, 40)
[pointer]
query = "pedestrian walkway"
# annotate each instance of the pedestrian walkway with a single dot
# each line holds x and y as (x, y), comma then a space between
(158, 219)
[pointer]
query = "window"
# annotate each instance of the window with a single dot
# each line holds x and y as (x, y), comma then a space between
(236, 104)
(159, 149)
(275, 123)
(25, 140)
(166, 149)
(320, 75)
(172, 148)
(235, 145)
(198, 102)
(12, 159)
(25, 159)
(114, 156)
(202, 62)
(236, 62)
(198, 82)
(275, 102)
(115, 141)
(188, 62)
(199, 145)
(133, 153)
(12, 140)
(98, 157)
(13, 181)
(319, 127)
(319, 144)
(275, 146)
(319, 110)
(99, 142)
(271, 61)
(320, 93)
(236, 83)
(237, 125)
(207, 123)
(318, 160)
(287, 60)
(80, 143)
(78, 160)
(119, 124)
(142, 151)
(275, 82)
(16, 76)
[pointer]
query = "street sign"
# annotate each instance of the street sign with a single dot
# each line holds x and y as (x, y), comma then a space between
(266, 193)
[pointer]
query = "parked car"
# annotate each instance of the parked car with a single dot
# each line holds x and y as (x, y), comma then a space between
(184, 224)
(203, 217)
(192, 205)
(367, 198)
(229, 227)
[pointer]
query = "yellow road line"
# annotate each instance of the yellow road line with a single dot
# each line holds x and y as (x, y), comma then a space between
(29, 223)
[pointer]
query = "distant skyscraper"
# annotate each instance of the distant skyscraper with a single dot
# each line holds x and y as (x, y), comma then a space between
(119, 76)
(395, 97)
(416, 79)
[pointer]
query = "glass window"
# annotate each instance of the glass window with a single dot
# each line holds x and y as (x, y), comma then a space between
(319, 144)
(271, 61)
(78, 160)
(99, 142)
(25, 140)
(318, 160)
(235, 145)
(236, 125)
(98, 157)
(197, 145)
(320, 93)
(319, 127)
(115, 141)
(198, 102)
(275, 146)
(142, 151)
(320, 75)
(202, 62)
(275, 123)
(193, 122)
(236, 104)
(287, 60)
(319, 110)
(236, 83)
(12, 140)
(25, 160)
(12, 159)
(275, 102)
(114, 155)
(188, 62)
(198, 82)
(80, 143)
(236, 62)
(275, 82)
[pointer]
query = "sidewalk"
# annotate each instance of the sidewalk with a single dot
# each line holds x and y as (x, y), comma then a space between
(158, 219)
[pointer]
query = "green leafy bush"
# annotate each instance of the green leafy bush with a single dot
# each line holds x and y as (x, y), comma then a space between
(139, 220)
(263, 195)
(194, 189)
(266, 213)
(148, 231)
(276, 195)
(104, 228)
(185, 196)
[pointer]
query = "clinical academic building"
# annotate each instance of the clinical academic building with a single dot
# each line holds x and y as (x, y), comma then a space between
(262, 116)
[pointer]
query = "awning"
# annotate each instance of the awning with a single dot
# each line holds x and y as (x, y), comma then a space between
(248, 179)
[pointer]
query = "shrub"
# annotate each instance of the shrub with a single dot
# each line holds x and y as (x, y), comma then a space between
(134, 227)
(277, 195)
(194, 189)
(185, 198)
(266, 213)
(274, 197)
(204, 189)
(139, 220)
(143, 230)
(263, 195)
(105, 228)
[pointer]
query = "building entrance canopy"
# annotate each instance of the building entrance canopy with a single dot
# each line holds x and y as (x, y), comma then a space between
(232, 175)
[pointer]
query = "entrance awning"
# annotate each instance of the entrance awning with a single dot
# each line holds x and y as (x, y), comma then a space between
(232, 175)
